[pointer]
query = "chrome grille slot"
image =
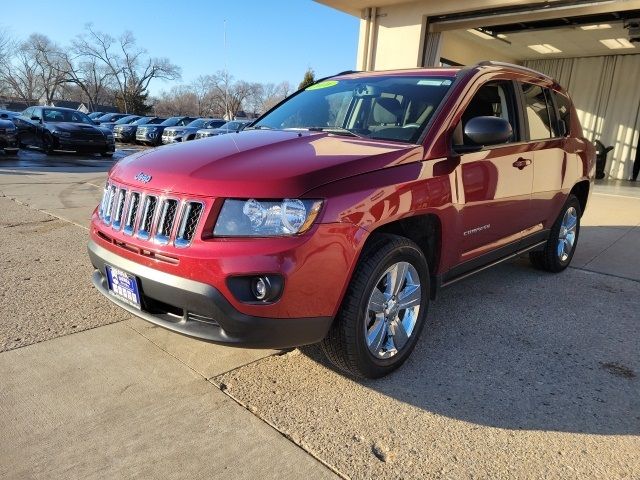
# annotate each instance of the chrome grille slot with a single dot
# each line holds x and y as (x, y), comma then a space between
(132, 213)
(103, 203)
(119, 209)
(168, 211)
(110, 198)
(189, 219)
(146, 218)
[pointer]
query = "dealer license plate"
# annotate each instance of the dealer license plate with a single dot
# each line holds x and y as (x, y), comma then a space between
(123, 285)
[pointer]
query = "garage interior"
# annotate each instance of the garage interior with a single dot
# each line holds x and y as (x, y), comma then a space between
(591, 47)
(593, 56)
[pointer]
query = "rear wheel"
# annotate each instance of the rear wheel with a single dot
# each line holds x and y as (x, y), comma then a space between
(383, 311)
(47, 144)
(563, 238)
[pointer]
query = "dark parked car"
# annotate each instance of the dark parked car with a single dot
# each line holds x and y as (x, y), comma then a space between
(232, 126)
(62, 129)
(95, 115)
(110, 117)
(8, 137)
(123, 121)
(338, 221)
(188, 132)
(152, 134)
(127, 133)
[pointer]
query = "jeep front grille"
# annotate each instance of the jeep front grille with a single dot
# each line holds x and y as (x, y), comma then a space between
(150, 217)
(146, 218)
(132, 213)
(191, 212)
(165, 224)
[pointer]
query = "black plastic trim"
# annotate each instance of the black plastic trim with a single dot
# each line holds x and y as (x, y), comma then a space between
(231, 327)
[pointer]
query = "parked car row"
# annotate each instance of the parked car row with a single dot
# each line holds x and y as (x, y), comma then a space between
(56, 128)
(51, 129)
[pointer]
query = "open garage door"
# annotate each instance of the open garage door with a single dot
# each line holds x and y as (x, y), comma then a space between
(592, 49)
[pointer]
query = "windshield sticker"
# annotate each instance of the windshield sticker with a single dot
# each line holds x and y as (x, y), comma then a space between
(435, 83)
(318, 86)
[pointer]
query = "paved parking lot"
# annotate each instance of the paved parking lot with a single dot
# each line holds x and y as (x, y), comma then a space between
(518, 373)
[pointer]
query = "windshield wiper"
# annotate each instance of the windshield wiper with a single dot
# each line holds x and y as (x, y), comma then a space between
(336, 130)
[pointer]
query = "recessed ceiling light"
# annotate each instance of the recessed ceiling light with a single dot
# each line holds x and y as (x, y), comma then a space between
(617, 43)
(480, 33)
(545, 48)
(600, 26)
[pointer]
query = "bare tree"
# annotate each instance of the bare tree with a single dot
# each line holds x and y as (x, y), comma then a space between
(19, 72)
(48, 61)
(129, 65)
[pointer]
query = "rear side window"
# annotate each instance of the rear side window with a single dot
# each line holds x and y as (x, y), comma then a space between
(563, 104)
(537, 112)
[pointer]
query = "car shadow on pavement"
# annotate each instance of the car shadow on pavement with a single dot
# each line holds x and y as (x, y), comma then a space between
(517, 348)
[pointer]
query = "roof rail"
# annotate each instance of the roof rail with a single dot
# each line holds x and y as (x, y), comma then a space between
(492, 63)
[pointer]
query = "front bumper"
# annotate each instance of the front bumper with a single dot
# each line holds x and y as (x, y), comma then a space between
(85, 145)
(123, 136)
(199, 310)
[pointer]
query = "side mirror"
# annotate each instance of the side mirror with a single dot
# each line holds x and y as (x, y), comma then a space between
(35, 119)
(483, 131)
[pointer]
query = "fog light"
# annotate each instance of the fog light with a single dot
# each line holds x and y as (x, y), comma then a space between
(261, 288)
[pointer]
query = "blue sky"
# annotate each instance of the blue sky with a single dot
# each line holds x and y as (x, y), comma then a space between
(267, 41)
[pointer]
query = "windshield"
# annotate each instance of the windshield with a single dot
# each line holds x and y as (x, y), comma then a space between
(65, 116)
(143, 121)
(197, 123)
(96, 114)
(171, 121)
(387, 108)
(128, 119)
(231, 126)
(109, 117)
(214, 123)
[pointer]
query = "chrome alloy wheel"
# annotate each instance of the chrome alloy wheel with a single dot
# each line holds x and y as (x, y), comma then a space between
(567, 235)
(393, 310)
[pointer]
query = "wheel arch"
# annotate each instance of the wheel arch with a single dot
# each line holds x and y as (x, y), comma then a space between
(425, 230)
(581, 191)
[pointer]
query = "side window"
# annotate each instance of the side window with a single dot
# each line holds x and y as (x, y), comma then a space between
(563, 105)
(537, 112)
(495, 99)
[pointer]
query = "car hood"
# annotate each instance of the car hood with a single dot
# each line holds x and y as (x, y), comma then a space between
(73, 127)
(260, 163)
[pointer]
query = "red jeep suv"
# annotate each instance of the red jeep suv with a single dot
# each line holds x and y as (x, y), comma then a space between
(337, 215)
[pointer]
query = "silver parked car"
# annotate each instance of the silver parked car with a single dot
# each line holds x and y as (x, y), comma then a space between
(188, 132)
(229, 127)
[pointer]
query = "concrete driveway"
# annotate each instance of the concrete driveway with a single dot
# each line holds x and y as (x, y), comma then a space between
(519, 374)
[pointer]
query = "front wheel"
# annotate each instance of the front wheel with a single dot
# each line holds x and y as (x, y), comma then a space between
(107, 154)
(563, 238)
(383, 311)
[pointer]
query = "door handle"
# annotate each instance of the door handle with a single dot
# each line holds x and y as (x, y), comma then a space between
(521, 163)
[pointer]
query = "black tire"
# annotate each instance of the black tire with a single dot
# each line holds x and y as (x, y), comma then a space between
(47, 144)
(107, 154)
(548, 259)
(345, 344)
(11, 151)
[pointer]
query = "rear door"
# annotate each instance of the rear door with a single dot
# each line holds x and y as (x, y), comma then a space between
(495, 182)
(550, 162)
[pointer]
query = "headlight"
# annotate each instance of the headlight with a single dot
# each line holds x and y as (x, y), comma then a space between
(258, 218)
(61, 134)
